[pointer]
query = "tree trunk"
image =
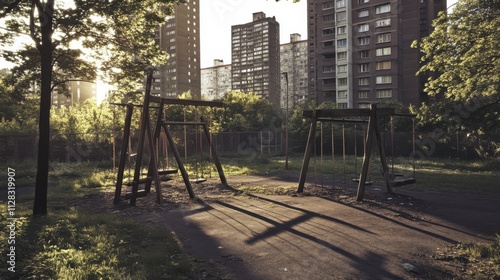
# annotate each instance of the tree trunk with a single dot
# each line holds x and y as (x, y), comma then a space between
(42, 174)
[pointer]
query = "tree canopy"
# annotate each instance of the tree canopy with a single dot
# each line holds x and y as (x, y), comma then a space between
(117, 37)
(462, 58)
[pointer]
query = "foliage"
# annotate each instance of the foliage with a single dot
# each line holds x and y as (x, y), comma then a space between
(462, 58)
(247, 112)
(88, 37)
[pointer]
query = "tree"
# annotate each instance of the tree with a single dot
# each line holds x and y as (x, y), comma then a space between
(462, 58)
(247, 112)
(115, 30)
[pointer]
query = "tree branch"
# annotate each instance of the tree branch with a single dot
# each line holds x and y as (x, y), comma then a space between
(32, 27)
(10, 8)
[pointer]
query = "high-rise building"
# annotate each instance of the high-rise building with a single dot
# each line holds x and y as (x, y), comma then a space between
(293, 58)
(256, 57)
(180, 37)
(216, 80)
(359, 50)
(78, 93)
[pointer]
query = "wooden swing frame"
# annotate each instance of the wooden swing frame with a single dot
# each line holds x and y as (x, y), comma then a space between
(153, 174)
(339, 115)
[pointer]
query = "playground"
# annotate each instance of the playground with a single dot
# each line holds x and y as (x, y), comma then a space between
(359, 210)
(262, 229)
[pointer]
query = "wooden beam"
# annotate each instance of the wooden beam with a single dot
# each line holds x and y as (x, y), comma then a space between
(123, 153)
(307, 156)
(368, 151)
(346, 113)
(186, 102)
(215, 157)
(177, 156)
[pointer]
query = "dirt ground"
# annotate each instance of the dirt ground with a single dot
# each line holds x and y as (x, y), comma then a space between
(270, 232)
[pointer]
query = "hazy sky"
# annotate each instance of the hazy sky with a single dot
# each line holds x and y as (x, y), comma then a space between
(217, 17)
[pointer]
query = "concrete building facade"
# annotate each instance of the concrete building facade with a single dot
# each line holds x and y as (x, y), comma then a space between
(255, 56)
(79, 92)
(359, 50)
(180, 37)
(293, 62)
(216, 80)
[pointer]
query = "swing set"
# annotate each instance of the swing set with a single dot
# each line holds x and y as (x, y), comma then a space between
(153, 138)
(391, 178)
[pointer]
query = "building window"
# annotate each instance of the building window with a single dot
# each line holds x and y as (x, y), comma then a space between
(342, 94)
(363, 93)
(364, 54)
(384, 38)
(364, 67)
(364, 81)
(328, 31)
(384, 93)
(383, 51)
(385, 8)
(340, 4)
(363, 1)
(383, 80)
(342, 68)
(328, 69)
(328, 18)
(342, 81)
(341, 30)
(363, 41)
(341, 105)
(364, 106)
(383, 22)
(328, 81)
(341, 16)
(328, 5)
(363, 27)
(342, 42)
(329, 56)
(328, 44)
(383, 65)
(363, 13)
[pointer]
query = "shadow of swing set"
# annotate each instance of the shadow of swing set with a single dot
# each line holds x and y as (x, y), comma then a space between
(154, 173)
(392, 180)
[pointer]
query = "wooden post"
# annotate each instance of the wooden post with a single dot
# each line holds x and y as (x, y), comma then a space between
(368, 151)
(123, 153)
(156, 137)
(383, 158)
(213, 150)
(307, 155)
(177, 156)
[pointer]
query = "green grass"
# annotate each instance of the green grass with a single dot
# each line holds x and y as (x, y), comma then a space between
(75, 244)
(479, 260)
(72, 243)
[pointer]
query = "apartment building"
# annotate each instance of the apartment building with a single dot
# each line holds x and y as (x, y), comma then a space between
(359, 50)
(180, 37)
(293, 62)
(216, 80)
(255, 56)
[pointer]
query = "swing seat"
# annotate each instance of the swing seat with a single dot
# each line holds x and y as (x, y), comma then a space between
(366, 182)
(167, 171)
(403, 182)
(141, 181)
(139, 194)
(198, 180)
